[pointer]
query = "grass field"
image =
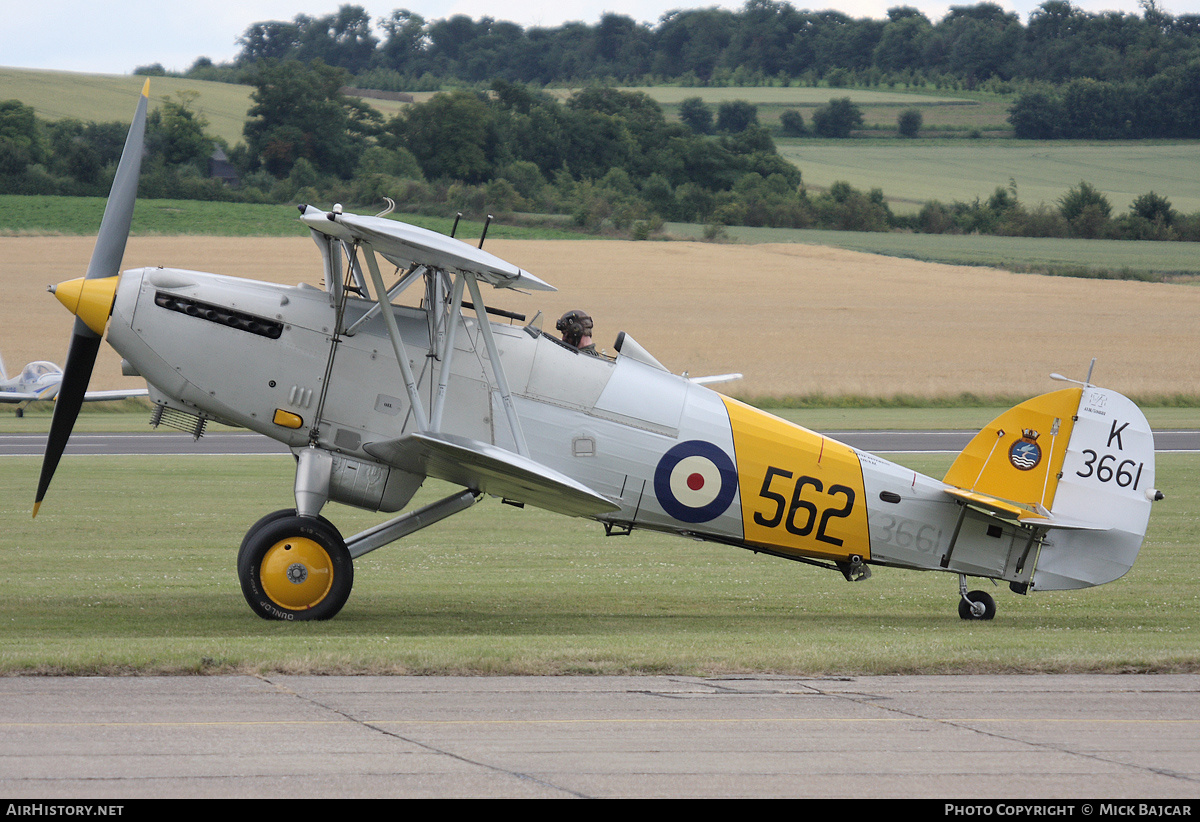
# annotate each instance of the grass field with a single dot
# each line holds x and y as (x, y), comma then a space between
(45, 215)
(1131, 259)
(35, 216)
(129, 568)
(59, 95)
(942, 114)
(912, 172)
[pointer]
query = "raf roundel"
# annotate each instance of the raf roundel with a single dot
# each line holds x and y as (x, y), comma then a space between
(695, 481)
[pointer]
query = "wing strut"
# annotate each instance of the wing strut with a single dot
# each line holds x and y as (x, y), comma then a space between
(455, 319)
(385, 309)
(497, 367)
(402, 284)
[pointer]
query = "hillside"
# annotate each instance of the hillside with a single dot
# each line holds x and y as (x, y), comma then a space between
(57, 95)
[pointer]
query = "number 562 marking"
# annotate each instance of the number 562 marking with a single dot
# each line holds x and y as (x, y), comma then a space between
(800, 515)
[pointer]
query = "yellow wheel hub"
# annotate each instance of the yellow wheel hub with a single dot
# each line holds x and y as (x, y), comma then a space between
(296, 573)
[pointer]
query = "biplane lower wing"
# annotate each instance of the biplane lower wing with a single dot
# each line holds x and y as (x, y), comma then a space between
(488, 469)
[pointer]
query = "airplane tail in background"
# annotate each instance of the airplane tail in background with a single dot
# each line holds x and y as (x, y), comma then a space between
(3, 371)
(1076, 464)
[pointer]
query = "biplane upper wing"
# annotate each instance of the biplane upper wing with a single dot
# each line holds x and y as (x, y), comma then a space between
(488, 469)
(405, 245)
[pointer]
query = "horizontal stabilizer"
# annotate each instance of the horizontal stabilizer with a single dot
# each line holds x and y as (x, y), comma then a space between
(715, 378)
(491, 470)
(405, 245)
(1026, 515)
(995, 505)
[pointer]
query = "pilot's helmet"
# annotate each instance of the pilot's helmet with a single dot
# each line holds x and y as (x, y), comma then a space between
(574, 325)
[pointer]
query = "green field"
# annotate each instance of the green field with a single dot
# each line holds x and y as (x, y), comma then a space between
(107, 98)
(1122, 257)
(21, 215)
(942, 114)
(46, 215)
(129, 568)
(912, 172)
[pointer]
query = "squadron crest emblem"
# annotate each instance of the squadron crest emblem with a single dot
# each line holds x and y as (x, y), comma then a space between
(1025, 453)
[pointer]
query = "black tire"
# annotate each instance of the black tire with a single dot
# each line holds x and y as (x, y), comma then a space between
(295, 568)
(965, 611)
(269, 518)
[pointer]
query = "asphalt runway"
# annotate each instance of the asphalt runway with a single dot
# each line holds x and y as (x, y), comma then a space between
(247, 443)
(1120, 738)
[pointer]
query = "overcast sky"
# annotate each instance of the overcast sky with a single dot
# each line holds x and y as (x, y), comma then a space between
(117, 36)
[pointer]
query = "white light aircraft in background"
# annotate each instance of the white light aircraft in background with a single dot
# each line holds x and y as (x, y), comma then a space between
(39, 381)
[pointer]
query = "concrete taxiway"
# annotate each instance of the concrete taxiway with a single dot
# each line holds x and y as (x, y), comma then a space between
(963, 737)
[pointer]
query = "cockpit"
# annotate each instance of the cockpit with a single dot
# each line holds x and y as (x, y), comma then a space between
(36, 370)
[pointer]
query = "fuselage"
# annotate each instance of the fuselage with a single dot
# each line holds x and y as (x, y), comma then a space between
(39, 378)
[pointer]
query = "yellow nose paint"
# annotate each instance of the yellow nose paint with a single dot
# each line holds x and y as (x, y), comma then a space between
(89, 300)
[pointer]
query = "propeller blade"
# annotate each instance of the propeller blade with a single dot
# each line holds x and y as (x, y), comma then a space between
(81, 357)
(118, 211)
(105, 262)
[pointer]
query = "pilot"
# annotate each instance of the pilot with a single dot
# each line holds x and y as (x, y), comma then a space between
(576, 328)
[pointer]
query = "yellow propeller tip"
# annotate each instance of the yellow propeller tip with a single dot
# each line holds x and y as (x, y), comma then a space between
(36, 506)
(146, 88)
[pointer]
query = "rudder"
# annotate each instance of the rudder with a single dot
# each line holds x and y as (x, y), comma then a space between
(1108, 482)
(1078, 463)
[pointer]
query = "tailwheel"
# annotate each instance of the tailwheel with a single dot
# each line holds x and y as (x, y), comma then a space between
(977, 605)
(295, 568)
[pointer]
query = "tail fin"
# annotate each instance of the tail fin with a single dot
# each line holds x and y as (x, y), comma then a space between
(1078, 463)
(1018, 456)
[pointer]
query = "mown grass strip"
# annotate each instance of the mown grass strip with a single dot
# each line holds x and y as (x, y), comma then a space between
(80, 216)
(129, 568)
(1107, 259)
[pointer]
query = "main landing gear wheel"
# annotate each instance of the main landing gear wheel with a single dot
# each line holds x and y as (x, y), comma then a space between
(977, 605)
(295, 568)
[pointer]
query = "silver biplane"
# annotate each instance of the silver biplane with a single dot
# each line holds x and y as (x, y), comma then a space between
(372, 397)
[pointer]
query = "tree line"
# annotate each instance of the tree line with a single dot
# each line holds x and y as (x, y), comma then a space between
(1077, 74)
(765, 41)
(610, 159)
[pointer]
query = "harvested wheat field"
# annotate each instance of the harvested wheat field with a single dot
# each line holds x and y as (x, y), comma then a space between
(795, 319)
